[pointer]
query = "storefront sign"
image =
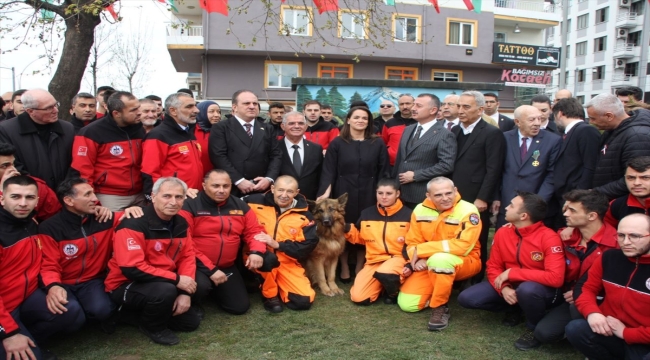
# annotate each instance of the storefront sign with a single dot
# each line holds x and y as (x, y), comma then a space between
(531, 55)
(526, 77)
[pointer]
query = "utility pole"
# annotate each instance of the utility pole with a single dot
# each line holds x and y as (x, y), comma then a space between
(645, 40)
(563, 54)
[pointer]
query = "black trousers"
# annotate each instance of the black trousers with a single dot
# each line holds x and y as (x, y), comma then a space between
(231, 296)
(600, 347)
(483, 240)
(152, 303)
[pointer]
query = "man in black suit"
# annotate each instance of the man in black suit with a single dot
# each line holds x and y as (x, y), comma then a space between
(576, 161)
(301, 159)
(246, 148)
(479, 162)
(543, 104)
(491, 110)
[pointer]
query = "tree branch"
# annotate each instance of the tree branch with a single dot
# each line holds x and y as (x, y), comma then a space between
(40, 4)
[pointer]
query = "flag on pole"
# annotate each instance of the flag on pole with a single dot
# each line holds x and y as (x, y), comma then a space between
(392, 2)
(435, 5)
(218, 6)
(170, 3)
(469, 4)
(111, 9)
(478, 4)
(326, 5)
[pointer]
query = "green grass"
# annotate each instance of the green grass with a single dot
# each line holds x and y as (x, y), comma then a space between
(333, 329)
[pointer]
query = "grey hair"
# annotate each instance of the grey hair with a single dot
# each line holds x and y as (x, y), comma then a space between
(292, 113)
(406, 94)
(174, 101)
(437, 180)
(478, 97)
(28, 99)
(147, 101)
(170, 179)
(605, 103)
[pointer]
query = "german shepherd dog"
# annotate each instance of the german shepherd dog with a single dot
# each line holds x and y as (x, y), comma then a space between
(330, 227)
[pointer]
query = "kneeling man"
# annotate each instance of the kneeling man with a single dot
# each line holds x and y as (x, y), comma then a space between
(442, 246)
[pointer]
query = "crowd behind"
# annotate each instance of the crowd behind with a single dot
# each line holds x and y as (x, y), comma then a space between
(139, 212)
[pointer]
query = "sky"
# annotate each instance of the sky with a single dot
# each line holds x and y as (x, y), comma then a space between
(162, 81)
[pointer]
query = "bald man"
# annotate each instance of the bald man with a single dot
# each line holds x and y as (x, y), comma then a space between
(530, 160)
(43, 143)
(386, 111)
(561, 94)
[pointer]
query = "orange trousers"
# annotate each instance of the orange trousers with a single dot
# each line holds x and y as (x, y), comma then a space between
(366, 286)
(289, 281)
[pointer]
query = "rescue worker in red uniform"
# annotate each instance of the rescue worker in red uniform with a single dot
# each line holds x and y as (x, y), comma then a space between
(382, 229)
(219, 223)
(108, 153)
(318, 131)
(525, 271)
(284, 213)
(153, 266)
(25, 321)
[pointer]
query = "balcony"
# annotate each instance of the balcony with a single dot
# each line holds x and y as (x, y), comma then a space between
(550, 39)
(179, 35)
(619, 80)
(526, 5)
(624, 51)
(520, 11)
(627, 20)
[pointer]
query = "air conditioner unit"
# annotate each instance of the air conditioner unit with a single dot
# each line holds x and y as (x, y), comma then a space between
(622, 33)
(624, 3)
(620, 64)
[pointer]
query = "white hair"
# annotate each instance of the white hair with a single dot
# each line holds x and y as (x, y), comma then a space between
(478, 97)
(171, 179)
(438, 180)
(607, 103)
(291, 114)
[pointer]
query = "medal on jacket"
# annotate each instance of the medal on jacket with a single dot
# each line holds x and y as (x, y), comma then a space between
(535, 156)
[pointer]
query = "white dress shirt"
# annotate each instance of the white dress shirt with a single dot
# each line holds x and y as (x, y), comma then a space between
(242, 122)
(425, 127)
(571, 125)
(530, 140)
(468, 130)
(455, 122)
(290, 149)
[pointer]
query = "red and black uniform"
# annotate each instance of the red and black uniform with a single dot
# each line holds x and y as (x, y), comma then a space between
(322, 133)
(110, 157)
(169, 150)
(79, 124)
(202, 137)
(48, 203)
(392, 134)
(149, 257)
(624, 206)
(278, 133)
(218, 231)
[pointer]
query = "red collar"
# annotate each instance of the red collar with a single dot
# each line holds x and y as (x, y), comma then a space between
(605, 236)
(632, 201)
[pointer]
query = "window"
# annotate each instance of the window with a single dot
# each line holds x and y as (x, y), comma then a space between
(634, 38)
(632, 69)
(278, 74)
(600, 44)
(599, 72)
(566, 77)
(581, 75)
(602, 15)
(583, 21)
(581, 98)
(339, 71)
(568, 51)
(352, 24)
(462, 32)
(447, 75)
(647, 72)
(594, 95)
(296, 20)
(581, 48)
(401, 73)
(568, 29)
(637, 7)
(501, 37)
(407, 28)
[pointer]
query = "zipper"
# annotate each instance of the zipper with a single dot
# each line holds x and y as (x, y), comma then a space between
(221, 236)
(277, 223)
(519, 248)
(385, 225)
(27, 268)
(83, 258)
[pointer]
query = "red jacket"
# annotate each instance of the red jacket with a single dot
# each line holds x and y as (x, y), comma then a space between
(168, 150)
(218, 230)
(202, 137)
(392, 134)
(578, 261)
(109, 157)
(625, 283)
(532, 253)
(322, 133)
(48, 203)
(146, 250)
(20, 262)
(75, 249)
(624, 206)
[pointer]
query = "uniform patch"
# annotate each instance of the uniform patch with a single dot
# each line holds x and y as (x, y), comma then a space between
(236, 212)
(311, 223)
(116, 150)
(474, 219)
(293, 231)
(400, 239)
(82, 151)
(198, 146)
(131, 244)
(70, 249)
(183, 149)
(556, 249)
(647, 283)
(537, 255)
(158, 246)
(203, 213)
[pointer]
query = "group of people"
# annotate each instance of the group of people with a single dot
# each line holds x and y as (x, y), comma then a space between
(147, 211)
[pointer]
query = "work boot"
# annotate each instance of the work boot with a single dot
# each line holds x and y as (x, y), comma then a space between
(512, 318)
(273, 305)
(164, 337)
(527, 341)
(439, 318)
(390, 299)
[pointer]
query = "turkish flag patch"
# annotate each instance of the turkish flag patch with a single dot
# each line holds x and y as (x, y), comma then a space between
(556, 249)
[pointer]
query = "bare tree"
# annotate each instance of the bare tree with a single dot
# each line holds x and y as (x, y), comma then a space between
(100, 55)
(131, 59)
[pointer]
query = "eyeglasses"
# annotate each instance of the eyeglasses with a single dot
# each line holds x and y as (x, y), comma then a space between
(385, 106)
(447, 103)
(632, 237)
(49, 108)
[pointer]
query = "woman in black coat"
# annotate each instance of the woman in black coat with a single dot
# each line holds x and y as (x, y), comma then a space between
(353, 164)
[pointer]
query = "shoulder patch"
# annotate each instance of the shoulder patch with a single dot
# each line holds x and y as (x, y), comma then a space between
(474, 219)
(556, 249)
(236, 212)
(537, 255)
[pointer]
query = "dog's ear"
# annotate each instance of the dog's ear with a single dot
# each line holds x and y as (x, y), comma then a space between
(311, 204)
(343, 199)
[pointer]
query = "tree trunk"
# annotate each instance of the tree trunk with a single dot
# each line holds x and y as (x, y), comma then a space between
(79, 38)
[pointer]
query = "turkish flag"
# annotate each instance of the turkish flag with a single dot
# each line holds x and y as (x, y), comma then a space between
(326, 5)
(469, 4)
(218, 6)
(435, 5)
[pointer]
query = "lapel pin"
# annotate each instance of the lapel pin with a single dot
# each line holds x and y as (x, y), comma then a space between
(537, 141)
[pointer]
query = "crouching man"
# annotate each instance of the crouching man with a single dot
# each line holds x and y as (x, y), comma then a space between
(153, 266)
(442, 247)
(284, 213)
(618, 328)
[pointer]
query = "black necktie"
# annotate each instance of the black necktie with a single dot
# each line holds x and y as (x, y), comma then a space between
(416, 136)
(297, 163)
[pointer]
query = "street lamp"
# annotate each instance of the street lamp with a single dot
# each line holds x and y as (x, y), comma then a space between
(13, 76)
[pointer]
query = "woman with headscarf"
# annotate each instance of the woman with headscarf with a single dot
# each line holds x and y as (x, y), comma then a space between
(209, 114)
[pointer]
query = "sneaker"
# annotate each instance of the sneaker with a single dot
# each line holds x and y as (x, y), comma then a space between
(390, 299)
(439, 318)
(512, 318)
(527, 341)
(164, 337)
(273, 305)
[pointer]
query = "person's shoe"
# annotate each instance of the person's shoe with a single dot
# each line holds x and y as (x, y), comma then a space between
(200, 311)
(512, 318)
(439, 318)
(164, 337)
(527, 341)
(48, 355)
(273, 305)
(109, 325)
(390, 299)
